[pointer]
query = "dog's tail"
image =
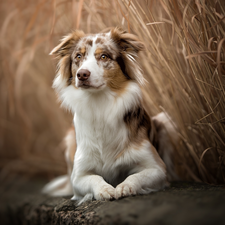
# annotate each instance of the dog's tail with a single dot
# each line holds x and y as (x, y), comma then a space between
(166, 141)
(61, 186)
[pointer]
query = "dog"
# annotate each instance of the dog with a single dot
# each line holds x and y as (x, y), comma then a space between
(113, 148)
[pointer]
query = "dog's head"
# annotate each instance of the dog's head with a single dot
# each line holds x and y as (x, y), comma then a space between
(93, 62)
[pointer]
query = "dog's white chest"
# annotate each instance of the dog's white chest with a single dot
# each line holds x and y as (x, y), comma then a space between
(100, 133)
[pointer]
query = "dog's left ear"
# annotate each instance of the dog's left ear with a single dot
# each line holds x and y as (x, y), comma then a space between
(129, 45)
(67, 44)
(127, 42)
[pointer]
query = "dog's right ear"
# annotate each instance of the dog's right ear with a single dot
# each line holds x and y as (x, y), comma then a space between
(67, 44)
(63, 53)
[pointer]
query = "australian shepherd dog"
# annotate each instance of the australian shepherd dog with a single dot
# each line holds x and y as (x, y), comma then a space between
(114, 149)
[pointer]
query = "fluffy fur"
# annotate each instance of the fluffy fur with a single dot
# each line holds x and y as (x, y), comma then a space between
(111, 152)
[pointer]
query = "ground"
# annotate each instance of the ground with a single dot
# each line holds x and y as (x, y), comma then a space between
(183, 203)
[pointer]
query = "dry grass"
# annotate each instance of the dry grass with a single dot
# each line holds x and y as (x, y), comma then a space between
(183, 63)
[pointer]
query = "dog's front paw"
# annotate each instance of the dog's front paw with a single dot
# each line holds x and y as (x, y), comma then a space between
(125, 189)
(105, 192)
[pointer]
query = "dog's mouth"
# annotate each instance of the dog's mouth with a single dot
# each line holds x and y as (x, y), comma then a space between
(87, 86)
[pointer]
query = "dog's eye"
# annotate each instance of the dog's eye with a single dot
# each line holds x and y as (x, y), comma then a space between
(78, 57)
(104, 57)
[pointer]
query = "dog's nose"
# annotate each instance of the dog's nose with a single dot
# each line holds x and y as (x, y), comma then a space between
(83, 74)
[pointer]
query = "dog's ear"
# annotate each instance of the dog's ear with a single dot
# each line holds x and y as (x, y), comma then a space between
(129, 45)
(67, 44)
(63, 53)
(126, 41)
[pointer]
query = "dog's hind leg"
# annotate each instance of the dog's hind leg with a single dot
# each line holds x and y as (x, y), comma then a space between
(167, 138)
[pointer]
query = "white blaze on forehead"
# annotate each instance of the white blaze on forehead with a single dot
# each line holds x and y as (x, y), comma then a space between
(93, 47)
(90, 51)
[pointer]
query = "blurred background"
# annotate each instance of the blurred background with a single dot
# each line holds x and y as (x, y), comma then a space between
(184, 64)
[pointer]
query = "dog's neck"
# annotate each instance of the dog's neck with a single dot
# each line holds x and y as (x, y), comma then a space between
(104, 103)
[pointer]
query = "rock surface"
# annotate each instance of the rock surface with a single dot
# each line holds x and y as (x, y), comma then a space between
(183, 203)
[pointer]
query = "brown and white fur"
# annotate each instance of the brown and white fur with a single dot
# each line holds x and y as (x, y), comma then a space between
(110, 153)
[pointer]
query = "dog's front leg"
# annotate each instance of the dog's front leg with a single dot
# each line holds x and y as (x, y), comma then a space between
(143, 182)
(93, 184)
